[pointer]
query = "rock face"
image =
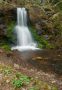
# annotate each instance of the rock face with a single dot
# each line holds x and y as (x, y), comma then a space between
(2, 29)
(40, 19)
(37, 17)
(2, 23)
(35, 14)
(5, 18)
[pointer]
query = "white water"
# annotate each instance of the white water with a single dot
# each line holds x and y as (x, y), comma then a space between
(24, 37)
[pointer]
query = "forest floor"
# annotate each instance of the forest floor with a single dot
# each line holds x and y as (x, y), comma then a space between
(44, 66)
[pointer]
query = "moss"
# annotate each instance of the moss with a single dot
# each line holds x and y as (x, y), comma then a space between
(41, 40)
(10, 30)
(6, 47)
(54, 88)
(40, 85)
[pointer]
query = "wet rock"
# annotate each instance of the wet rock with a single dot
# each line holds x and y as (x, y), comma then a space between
(9, 54)
(1, 13)
(46, 37)
(37, 58)
(1, 20)
(39, 32)
(11, 14)
(2, 29)
(2, 26)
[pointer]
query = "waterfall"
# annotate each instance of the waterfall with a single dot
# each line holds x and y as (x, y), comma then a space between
(24, 37)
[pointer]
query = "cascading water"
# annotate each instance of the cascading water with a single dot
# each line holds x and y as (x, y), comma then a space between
(24, 37)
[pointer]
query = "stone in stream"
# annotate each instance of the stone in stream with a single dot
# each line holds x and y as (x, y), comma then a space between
(37, 58)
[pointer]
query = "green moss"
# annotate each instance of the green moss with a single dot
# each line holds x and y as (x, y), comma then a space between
(6, 47)
(10, 30)
(34, 88)
(10, 38)
(54, 88)
(20, 80)
(40, 85)
(41, 41)
(6, 70)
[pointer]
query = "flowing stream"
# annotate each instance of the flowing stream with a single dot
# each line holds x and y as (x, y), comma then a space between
(24, 37)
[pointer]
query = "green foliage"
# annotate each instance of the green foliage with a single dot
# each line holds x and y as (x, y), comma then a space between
(7, 71)
(10, 30)
(6, 47)
(54, 88)
(17, 83)
(40, 85)
(20, 80)
(23, 78)
(10, 38)
(34, 88)
(42, 42)
(10, 33)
